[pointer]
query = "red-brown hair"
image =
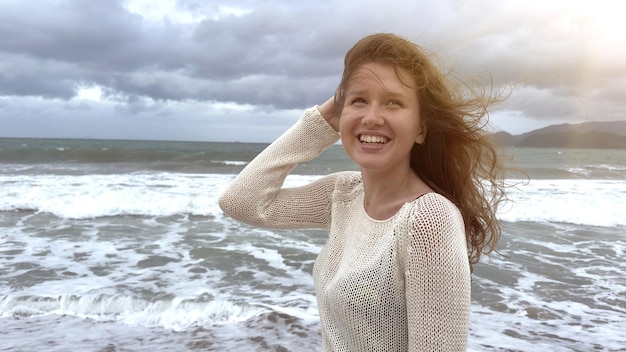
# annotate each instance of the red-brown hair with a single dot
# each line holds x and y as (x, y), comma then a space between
(458, 159)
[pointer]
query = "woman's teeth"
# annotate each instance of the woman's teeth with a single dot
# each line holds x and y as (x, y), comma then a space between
(373, 139)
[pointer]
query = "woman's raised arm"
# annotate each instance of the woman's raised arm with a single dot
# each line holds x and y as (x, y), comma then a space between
(256, 195)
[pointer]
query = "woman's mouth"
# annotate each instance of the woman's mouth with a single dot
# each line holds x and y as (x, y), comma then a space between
(370, 139)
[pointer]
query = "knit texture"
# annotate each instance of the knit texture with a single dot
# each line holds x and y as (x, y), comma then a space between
(400, 284)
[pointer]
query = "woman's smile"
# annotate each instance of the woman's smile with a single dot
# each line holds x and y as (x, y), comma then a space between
(380, 120)
(370, 139)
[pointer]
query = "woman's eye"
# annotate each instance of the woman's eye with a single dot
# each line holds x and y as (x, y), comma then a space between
(358, 101)
(393, 102)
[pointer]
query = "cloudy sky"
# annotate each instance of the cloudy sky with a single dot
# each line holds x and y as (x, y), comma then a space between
(243, 70)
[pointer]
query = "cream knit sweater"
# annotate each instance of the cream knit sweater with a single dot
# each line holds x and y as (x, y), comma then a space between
(401, 284)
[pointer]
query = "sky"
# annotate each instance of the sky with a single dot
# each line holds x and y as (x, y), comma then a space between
(244, 70)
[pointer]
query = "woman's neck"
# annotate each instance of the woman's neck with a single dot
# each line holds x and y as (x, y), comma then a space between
(386, 192)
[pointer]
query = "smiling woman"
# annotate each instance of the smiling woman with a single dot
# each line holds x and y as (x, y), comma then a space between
(378, 122)
(405, 230)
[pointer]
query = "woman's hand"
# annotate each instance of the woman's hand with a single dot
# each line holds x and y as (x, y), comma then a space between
(331, 112)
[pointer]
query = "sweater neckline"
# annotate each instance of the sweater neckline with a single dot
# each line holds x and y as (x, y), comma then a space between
(391, 218)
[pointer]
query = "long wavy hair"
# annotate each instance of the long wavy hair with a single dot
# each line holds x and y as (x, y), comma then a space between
(458, 160)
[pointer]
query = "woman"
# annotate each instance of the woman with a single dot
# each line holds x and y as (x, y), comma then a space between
(405, 230)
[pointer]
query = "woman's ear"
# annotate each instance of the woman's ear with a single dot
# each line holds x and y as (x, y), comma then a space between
(421, 136)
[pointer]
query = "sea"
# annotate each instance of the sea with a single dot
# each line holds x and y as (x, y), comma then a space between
(111, 245)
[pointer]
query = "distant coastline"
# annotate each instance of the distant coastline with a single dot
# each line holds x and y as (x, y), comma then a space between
(587, 135)
(592, 135)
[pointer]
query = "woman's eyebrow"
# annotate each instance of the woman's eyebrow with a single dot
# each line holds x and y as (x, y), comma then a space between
(393, 94)
(388, 93)
(355, 92)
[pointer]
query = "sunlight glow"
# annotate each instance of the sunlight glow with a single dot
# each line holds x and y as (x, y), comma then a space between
(93, 93)
(230, 107)
(606, 18)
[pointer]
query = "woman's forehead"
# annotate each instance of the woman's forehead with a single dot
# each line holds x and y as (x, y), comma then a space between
(380, 75)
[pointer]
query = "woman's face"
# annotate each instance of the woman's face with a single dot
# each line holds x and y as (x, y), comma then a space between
(380, 120)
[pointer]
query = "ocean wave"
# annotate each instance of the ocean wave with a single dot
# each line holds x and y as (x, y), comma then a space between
(580, 202)
(575, 201)
(175, 314)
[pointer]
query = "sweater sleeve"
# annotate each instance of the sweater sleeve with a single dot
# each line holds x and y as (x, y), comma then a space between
(437, 276)
(256, 196)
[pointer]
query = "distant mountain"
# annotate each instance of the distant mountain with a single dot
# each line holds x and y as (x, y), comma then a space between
(596, 134)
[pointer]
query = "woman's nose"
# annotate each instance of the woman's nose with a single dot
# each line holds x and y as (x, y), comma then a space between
(373, 116)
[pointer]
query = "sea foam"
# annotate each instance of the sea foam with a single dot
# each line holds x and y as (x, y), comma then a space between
(575, 201)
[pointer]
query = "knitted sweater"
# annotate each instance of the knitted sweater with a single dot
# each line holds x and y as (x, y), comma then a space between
(400, 284)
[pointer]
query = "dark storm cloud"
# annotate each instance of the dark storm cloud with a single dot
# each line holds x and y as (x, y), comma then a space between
(25, 75)
(234, 59)
(271, 56)
(90, 33)
(57, 45)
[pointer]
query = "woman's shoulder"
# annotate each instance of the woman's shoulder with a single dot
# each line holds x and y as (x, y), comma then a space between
(348, 185)
(433, 200)
(349, 178)
(434, 224)
(432, 210)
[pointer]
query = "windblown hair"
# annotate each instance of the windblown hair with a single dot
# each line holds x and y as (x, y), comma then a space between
(458, 159)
